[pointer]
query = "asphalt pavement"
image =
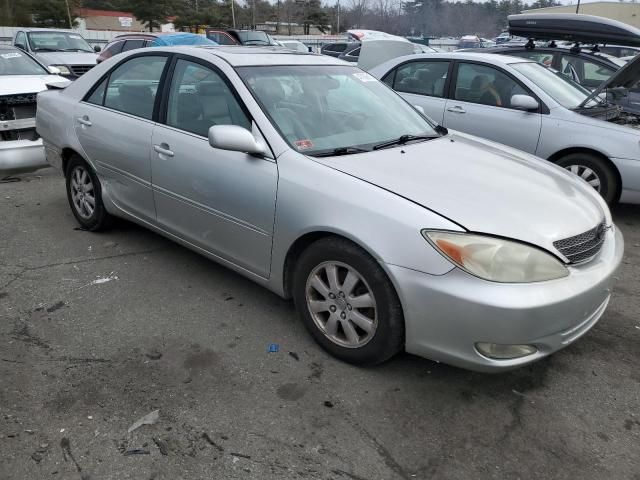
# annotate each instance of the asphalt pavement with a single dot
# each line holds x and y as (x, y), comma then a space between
(100, 329)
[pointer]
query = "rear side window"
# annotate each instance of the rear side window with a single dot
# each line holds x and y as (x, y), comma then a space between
(132, 86)
(336, 47)
(546, 58)
(354, 53)
(132, 45)
(221, 38)
(421, 78)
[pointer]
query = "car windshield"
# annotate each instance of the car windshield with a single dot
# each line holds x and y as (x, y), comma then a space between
(320, 109)
(564, 91)
(15, 62)
(58, 42)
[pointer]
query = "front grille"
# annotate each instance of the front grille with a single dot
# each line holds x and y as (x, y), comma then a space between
(79, 70)
(20, 99)
(584, 246)
(17, 107)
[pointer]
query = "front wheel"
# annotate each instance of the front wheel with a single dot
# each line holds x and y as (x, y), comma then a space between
(347, 302)
(596, 171)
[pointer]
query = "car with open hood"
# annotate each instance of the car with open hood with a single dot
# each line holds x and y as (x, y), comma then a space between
(64, 49)
(315, 180)
(22, 77)
(526, 105)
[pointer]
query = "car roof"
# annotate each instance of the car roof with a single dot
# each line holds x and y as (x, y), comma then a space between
(58, 30)
(239, 55)
(559, 48)
(482, 57)
(137, 35)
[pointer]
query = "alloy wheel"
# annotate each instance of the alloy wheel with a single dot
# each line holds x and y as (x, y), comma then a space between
(341, 304)
(82, 192)
(586, 174)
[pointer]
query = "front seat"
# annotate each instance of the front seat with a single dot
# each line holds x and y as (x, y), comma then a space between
(136, 100)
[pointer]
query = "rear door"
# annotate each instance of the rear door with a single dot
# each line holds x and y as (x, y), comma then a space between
(422, 83)
(114, 124)
(480, 105)
(221, 201)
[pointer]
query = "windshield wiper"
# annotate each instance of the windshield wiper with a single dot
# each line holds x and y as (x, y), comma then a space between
(341, 151)
(42, 49)
(76, 50)
(402, 139)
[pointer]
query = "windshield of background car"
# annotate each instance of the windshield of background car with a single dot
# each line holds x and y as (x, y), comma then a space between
(14, 62)
(321, 108)
(567, 93)
(254, 38)
(58, 42)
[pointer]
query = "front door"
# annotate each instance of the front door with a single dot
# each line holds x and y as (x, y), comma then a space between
(221, 201)
(114, 125)
(480, 105)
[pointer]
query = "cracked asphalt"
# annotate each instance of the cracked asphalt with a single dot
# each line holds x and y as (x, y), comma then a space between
(97, 330)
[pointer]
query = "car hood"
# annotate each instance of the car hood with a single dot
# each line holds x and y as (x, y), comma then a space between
(17, 84)
(67, 58)
(482, 186)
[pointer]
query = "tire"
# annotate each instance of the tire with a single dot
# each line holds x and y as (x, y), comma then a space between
(364, 301)
(596, 170)
(83, 188)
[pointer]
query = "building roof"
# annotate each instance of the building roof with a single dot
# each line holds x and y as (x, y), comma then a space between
(90, 12)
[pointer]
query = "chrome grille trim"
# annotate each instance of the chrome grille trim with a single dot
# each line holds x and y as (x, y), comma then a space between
(581, 248)
(80, 70)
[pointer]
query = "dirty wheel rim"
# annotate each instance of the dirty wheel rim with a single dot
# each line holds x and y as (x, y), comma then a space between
(82, 192)
(586, 174)
(341, 304)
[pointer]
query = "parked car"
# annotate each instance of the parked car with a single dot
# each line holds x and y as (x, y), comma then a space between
(336, 49)
(294, 45)
(132, 41)
(446, 245)
(618, 51)
(21, 78)
(528, 106)
(503, 38)
(242, 37)
(64, 49)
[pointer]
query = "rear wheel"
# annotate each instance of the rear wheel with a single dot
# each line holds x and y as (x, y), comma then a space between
(85, 195)
(347, 302)
(596, 171)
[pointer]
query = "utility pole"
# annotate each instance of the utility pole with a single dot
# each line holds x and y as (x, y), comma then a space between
(233, 15)
(69, 14)
(253, 14)
(578, 6)
(277, 17)
(338, 32)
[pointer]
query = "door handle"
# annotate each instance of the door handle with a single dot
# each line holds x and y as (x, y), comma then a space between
(84, 120)
(163, 149)
(456, 109)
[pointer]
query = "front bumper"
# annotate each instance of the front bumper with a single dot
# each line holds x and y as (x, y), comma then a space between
(446, 315)
(21, 156)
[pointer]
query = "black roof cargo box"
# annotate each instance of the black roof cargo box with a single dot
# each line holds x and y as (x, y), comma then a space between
(574, 27)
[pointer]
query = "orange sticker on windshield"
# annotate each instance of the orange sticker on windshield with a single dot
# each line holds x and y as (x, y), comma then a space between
(304, 144)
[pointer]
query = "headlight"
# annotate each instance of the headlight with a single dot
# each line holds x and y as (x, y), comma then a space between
(64, 70)
(496, 259)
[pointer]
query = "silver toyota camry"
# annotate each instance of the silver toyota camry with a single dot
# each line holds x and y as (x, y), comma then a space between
(315, 180)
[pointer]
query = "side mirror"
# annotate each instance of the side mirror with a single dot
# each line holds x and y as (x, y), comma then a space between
(54, 70)
(524, 102)
(419, 109)
(97, 49)
(234, 139)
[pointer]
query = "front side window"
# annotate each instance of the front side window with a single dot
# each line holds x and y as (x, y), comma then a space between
(422, 78)
(567, 93)
(58, 42)
(133, 86)
(485, 85)
(15, 62)
(21, 40)
(199, 98)
(585, 72)
(318, 109)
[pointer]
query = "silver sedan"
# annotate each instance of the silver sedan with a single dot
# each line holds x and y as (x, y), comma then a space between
(523, 104)
(315, 180)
